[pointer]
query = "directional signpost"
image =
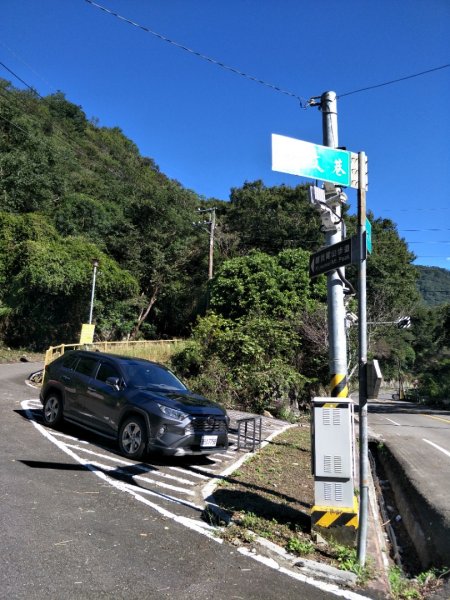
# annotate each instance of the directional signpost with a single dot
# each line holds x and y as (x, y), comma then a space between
(331, 257)
(311, 160)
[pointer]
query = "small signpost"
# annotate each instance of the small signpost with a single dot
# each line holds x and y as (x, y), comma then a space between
(330, 258)
(87, 333)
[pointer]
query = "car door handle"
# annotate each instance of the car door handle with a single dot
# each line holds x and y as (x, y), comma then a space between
(94, 392)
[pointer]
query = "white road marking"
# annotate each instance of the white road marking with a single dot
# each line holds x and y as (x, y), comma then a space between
(446, 452)
(332, 588)
(181, 470)
(391, 421)
(142, 468)
(69, 437)
(141, 478)
(200, 527)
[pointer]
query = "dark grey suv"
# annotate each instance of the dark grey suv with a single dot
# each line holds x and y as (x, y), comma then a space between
(138, 402)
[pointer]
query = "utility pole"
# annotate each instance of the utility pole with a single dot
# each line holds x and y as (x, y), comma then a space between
(362, 351)
(212, 229)
(335, 285)
(95, 265)
(211, 225)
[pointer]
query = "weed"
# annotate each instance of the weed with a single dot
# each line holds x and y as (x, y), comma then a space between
(300, 547)
(401, 587)
(348, 561)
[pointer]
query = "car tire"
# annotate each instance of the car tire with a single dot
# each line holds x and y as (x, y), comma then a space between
(53, 409)
(133, 437)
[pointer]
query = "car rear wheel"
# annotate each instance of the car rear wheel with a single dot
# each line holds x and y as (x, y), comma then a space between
(53, 409)
(133, 437)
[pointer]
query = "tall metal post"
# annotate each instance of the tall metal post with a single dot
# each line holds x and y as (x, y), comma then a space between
(212, 229)
(95, 265)
(362, 335)
(336, 309)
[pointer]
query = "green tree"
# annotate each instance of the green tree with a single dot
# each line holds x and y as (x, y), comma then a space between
(272, 219)
(47, 283)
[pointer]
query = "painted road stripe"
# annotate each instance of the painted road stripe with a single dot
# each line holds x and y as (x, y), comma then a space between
(446, 452)
(132, 487)
(142, 468)
(142, 478)
(391, 421)
(437, 418)
(191, 473)
(200, 527)
(70, 437)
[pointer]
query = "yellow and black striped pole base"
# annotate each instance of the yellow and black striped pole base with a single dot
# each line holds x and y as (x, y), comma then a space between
(338, 386)
(338, 523)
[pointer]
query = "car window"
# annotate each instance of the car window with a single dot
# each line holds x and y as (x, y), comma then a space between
(148, 375)
(86, 365)
(106, 370)
(69, 361)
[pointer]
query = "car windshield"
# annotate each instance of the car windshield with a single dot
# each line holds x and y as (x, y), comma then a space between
(147, 375)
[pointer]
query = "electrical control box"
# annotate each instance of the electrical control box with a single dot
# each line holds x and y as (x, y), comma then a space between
(333, 451)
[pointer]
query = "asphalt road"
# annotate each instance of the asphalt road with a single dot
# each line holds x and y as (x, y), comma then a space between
(78, 521)
(418, 438)
(421, 438)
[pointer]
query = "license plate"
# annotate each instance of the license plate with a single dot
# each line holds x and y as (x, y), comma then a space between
(208, 441)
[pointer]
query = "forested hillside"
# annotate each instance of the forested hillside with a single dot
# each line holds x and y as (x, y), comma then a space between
(434, 285)
(72, 191)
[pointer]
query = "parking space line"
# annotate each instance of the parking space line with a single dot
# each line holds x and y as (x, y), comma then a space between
(192, 473)
(132, 487)
(174, 488)
(141, 467)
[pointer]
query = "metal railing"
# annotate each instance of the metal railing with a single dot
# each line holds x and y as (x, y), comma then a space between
(158, 350)
(250, 437)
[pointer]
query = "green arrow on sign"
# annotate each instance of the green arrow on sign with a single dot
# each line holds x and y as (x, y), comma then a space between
(311, 160)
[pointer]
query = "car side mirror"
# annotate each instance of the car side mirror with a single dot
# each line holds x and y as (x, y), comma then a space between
(114, 382)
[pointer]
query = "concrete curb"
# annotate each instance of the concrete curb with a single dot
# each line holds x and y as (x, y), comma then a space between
(377, 548)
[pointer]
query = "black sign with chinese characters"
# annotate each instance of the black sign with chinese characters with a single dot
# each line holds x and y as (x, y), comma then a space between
(332, 257)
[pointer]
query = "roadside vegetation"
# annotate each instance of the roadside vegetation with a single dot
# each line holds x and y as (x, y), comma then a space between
(270, 497)
(73, 191)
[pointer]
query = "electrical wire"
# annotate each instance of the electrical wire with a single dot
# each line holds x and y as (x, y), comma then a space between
(392, 81)
(20, 79)
(213, 61)
(14, 125)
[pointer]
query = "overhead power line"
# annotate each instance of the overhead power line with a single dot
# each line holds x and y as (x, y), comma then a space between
(218, 63)
(20, 79)
(392, 81)
(303, 102)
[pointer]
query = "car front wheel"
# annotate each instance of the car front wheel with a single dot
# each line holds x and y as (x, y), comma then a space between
(53, 410)
(133, 437)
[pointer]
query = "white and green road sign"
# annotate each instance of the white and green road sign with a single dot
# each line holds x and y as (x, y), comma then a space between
(311, 160)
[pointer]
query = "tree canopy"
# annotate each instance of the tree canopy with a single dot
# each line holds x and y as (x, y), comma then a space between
(72, 191)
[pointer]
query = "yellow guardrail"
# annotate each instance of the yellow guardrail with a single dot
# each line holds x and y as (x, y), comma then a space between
(157, 350)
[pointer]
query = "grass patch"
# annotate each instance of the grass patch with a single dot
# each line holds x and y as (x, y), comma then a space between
(8, 355)
(417, 588)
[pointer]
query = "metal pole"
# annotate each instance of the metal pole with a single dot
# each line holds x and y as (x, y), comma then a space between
(335, 286)
(212, 226)
(95, 263)
(362, 334)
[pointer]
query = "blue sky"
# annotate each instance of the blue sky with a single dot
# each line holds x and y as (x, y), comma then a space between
(210, 129)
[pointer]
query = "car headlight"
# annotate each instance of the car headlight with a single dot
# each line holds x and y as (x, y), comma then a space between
(172, 413)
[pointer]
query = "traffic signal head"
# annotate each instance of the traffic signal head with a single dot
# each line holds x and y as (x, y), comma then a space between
(404, 323)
